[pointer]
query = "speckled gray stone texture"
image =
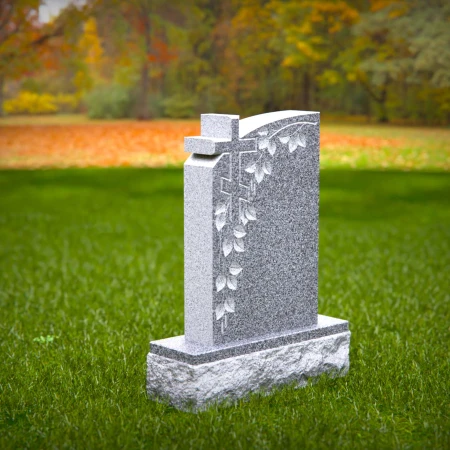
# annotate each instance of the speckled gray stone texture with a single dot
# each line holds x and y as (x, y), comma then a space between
(195, 387)
(251, 229)
(205, 146)
(217, 131)
(198, 250)
(180, 349)
(220, 126)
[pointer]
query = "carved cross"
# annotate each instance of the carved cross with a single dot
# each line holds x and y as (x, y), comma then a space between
(233, 186)
(220, 135)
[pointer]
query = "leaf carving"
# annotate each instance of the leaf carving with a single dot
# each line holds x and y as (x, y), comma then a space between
(221, 220)
(244, 219)
(259, 175)
(272, 147)
(263, 132)
(232, 282)
(227, 246)
(293, 143)
(251, 169)
(221, 208)
(229, 305)
(284, 139)
(239, 231)
(239, 245)
(220, 282)
(267, 167)
(250, 213)
(235, 268)
(220, 311)
(263, 143)
(302, 140)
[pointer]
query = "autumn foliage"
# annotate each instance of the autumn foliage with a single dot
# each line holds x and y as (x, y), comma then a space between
(385, 59)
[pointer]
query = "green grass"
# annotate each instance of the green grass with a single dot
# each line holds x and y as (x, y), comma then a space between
(92, 261)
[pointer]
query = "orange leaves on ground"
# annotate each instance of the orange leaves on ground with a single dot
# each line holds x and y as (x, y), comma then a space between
(336, 141)
(159, 143)
(111, 144)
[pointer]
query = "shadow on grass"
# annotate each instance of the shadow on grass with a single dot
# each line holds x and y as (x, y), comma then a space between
(344, 194)
(372, 195)
(133, 182)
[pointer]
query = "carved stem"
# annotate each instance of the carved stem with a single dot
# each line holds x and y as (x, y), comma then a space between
(291, 125)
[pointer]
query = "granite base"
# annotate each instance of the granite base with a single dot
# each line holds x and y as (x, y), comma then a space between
(196, 386)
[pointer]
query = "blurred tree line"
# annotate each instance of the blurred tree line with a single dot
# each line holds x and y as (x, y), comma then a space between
(383, 59)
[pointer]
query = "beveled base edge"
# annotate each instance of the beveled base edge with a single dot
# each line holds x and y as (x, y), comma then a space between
(177, 348)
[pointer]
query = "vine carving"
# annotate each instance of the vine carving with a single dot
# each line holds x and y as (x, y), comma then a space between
(232, 234)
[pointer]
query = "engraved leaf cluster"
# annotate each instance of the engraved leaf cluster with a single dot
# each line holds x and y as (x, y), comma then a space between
(232, 242)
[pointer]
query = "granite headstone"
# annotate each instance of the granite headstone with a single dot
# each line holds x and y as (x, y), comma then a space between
(251, 264)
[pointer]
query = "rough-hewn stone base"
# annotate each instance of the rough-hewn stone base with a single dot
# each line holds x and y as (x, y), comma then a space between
(193, 387)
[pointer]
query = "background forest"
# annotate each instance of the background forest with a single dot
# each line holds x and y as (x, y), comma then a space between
(383, 59)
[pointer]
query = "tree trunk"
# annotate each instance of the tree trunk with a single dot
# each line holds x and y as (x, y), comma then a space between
(382, 104)
(405, 112)
(368, 110)
(2, 83)
(306, 91)
(295, 99)
(379, 99)
(143, 109)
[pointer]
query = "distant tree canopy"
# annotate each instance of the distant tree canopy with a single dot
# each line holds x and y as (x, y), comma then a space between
(28, 47)
(381, 58)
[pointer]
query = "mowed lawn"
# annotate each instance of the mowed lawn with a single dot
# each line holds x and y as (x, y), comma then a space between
(93, 258)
